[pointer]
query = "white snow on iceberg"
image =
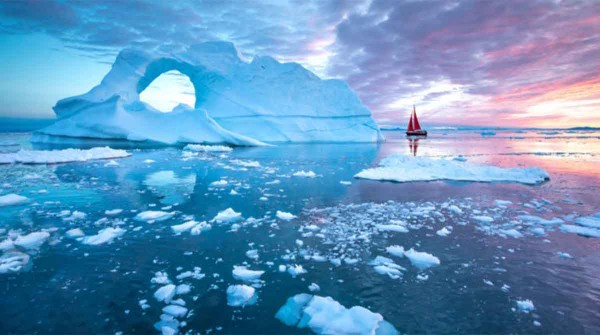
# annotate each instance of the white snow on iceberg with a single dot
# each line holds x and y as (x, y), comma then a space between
(61, 156)
(237, 102)
(402, 168)
(323, 315)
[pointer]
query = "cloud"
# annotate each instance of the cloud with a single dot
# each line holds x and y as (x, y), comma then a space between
(460, 61)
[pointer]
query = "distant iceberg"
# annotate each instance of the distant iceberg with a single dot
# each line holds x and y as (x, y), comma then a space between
(237, 103)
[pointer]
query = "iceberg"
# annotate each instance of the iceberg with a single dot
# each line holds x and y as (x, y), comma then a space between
(237, 103)
(402, 168)
(323, 315)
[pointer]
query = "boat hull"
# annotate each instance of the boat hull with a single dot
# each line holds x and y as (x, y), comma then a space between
(416, 133)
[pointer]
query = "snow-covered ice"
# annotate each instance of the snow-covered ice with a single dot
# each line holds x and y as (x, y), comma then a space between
(401, 168)
(323, 315)
(61, 156)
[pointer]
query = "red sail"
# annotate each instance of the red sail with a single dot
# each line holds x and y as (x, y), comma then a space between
(410, 124)
(416, 121)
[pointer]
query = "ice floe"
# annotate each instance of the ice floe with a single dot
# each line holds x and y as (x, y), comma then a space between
(285, 216)
(13, 261)
(32, 240)
(228, 215)
(525, 305)
(153, 216)
(244, 274)
(241, 295)
(12, 200)
(106, 235)
(401, 168)
(324, 315)
(304, 174)
(61, 156)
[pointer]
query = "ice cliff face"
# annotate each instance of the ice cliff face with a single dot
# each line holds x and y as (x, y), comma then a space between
(237, 102)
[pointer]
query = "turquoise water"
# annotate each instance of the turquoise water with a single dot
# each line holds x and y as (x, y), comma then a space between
(71, 287)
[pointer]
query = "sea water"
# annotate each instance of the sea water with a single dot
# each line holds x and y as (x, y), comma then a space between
(513, 274)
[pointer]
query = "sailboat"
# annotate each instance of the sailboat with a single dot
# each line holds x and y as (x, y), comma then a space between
(414, 128)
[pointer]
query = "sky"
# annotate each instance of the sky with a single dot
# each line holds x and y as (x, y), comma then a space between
(519, 63)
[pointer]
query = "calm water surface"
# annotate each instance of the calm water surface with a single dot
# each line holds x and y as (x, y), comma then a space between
(70, 287)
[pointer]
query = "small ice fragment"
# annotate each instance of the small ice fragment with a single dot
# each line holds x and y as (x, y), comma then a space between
(395, 250)
(105, 235)
(153, 216)
(219, 183)
(74, 233)
(285, 216)
(165, 293)
(175, 310)
(241, 295)
(180, 228)
(421, 260)
(564, 255)
(32, 240)
(228, 215)
(314, 287)
(252, 254)
(525, 306)
(304, 174)
(113, 212)
(443, 232)
(392, 227)
(245, 274)
(295, 270)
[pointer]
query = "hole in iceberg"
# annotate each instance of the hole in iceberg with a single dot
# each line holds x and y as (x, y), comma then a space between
(169, 90)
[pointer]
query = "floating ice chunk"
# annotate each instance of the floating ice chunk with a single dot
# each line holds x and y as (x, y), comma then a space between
(386, 266)
(105, 235)
(241, 295)
(392, 227)
(245, 274)
(252, 254)
(323, 315)
(401, 168)
(443, 232)
(511, 232)
(455, 209)
(32, 241)
(228, 215)
(165, 293)
(589, 221)
(76, 215)
(149, 161)
(525, 306)
(219, 183)
(304, 174)
(207, 148)
(74, 233)
(13, 261)
(180, 228)
(295, 270)
(113, 212)
(12, 200)
(160, 278)
(245, 163)
(175, 310)
(200, 227)
(584, 231)
(183, 289)
(285, 216)
(483, 218)
(539, 220)
(421, 260)
(153, 216)
(314, 287)
(564, 255)
(345, 182)
(502, 203)
(395, 250)
(61, 156)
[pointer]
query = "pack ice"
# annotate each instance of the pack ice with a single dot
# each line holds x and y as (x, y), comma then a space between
(237, 102)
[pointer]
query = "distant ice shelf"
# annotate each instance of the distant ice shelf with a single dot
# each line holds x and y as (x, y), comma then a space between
(237, 103)
(401, 168)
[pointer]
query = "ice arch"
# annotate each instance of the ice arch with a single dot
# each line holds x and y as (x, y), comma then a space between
(169, 90)
(237, 102)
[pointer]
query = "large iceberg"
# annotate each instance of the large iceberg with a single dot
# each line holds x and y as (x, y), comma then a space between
(237, 102)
